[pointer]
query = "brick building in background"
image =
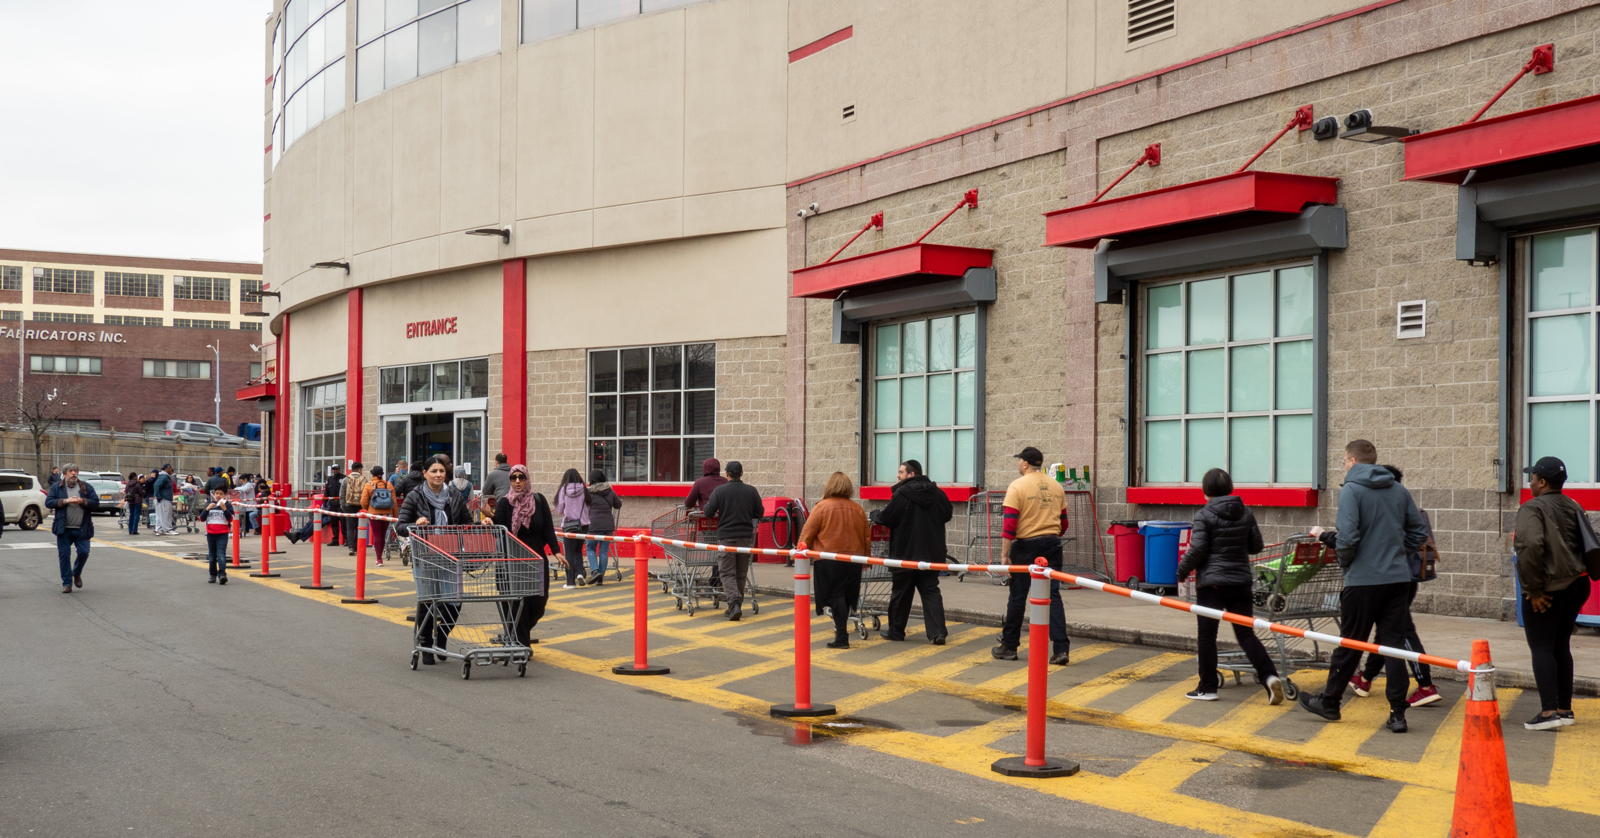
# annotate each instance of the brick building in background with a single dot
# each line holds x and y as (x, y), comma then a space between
(123, 339)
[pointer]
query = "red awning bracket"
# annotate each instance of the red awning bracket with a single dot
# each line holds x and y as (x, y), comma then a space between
(1542, 61)
(875, 221)
(1152, 156)
(969, 200)
(1302, 120)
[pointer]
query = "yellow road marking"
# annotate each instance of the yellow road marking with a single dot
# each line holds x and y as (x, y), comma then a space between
(1172, 766)
(1415, 812)
(1097, 688)
(1016, 677)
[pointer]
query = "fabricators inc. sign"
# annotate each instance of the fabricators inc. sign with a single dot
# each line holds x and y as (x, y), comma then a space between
(79, 335)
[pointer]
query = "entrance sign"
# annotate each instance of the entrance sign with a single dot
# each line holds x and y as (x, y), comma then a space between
(429, 328)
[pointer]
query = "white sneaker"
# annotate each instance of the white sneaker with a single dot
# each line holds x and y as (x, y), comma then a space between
(1274, 688)
(568, 587)
(1200, 695)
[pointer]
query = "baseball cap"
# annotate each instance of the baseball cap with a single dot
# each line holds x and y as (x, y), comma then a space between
(1550, 468)
(1030, 455)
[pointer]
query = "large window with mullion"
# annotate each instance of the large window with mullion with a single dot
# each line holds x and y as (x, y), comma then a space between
(925, 397)
(1230, 378)
(652, 411)
(1562, 305)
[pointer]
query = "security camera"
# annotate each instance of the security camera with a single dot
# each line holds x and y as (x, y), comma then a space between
(1358, 119)
(800, 213)
(811, 209)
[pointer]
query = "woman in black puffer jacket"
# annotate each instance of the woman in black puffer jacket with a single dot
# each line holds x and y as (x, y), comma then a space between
(1224, 537)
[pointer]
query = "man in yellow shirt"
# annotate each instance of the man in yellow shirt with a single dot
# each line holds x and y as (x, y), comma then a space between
(1035, 519)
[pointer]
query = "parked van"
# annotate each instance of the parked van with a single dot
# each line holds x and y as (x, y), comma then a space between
(23, 499)
(204, 432)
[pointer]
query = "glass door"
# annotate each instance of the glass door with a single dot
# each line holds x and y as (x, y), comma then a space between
(396, 440)
(469, 445)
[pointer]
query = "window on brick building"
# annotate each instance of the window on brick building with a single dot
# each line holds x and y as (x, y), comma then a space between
(322, 435)
(131, 320)
(250, 290)
(925, 400)
(652, 411)
(63, 281)
(10, 277)
(61, 317)
(123, 284)
(154, 368)
(201, 288)
(1229, 378)
(1562, 304)
(64, 364)
(191, 323)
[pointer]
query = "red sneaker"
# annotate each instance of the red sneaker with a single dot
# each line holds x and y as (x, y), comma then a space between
(1361, 685)
(1424, 696)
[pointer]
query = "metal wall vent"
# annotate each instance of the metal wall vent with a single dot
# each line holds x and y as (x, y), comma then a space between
(849, 112)
(1148, 19)
(1411, 319)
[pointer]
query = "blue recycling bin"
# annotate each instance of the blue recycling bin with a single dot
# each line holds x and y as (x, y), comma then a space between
(1161, 550)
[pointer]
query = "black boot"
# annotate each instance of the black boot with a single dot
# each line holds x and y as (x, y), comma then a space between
(841, 640)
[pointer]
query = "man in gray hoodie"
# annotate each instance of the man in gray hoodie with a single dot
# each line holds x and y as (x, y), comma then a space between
(1379, 525)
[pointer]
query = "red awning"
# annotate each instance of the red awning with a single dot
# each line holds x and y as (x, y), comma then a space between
(1203, 200)
(1446, 155)
(906, 262)
(256, 392)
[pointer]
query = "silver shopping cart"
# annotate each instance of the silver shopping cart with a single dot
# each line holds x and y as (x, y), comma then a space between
(471, 580)
(691, 574)
(1297, 580)
(877, 583)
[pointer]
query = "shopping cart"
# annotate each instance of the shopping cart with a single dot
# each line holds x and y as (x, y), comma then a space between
(877, 583)
(692, 573)
(472, 580)
(184, 507)
(1297, 580)
(396, 546)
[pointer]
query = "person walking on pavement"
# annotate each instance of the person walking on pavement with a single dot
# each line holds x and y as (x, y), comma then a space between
(602, 500)
(75, 502)
(378, 501)
(215, 480)
(526, 515)
(1426, 693)
(434, 503)
(218, 517)
(837, 524)
(917, 512)
(1379, 525)
(737, 506)
(1555, 575)
(1221, 542)
(708, 481)
(350, 504)
(162, 491)
(55, 477)
(249, 518)
(407, 481)
(134, 495)
(1035, 518)
(496, 483)
(572, 507)
(333, 501)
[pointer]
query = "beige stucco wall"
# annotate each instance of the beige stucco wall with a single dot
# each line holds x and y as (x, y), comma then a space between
(726, 286)
(471, 295)
(317, 340)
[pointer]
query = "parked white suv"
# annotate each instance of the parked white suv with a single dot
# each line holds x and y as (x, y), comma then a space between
(23, 499)
(200, 432)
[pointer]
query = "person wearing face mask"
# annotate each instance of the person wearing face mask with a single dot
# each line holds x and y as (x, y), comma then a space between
(434, 503)
(526, 515)
(74, 501)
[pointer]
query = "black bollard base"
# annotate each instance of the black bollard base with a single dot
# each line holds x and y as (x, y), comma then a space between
(316, 587)
(1019, 767)
(362, 601)
(789, 711)
(266, 575)
(630, 669)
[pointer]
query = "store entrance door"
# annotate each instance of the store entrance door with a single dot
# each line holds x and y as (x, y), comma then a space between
(432, 433)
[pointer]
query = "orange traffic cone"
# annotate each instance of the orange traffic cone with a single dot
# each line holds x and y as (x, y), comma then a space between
(1483, 784)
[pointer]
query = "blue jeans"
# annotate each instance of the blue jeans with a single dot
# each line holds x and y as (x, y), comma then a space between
(134, 511)
(64, 544)
(217, 553)
(599, 553)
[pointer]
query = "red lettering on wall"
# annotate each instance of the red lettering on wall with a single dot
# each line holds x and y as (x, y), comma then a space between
(429, 328)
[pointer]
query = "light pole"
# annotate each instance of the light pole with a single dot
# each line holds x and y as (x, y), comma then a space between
(216, 378)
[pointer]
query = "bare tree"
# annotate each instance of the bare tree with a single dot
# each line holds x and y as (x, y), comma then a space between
(41, 403)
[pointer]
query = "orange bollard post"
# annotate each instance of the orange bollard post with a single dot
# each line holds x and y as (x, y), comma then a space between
(236, 537)
(316, 547)
(361, 597)
(266, 550)
(1033, 762)
(1483, 807)
(802, 706)
(641, 617)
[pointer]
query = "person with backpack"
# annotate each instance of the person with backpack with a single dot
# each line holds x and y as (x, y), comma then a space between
(602, 501)
(378, 500)
(1221, 542)
(350, 504)
(1422, 562)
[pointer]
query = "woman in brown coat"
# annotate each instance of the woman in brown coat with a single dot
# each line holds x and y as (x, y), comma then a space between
(837, 525)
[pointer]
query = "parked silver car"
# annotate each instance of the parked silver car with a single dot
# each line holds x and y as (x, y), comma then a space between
(23, 499)
(205, 432)
(111, 496)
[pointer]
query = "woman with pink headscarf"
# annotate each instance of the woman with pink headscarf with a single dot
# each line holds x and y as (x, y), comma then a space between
(526, 514)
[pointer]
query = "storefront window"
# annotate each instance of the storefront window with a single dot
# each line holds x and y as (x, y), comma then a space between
(1559, 347)
(1229, 375)
(652, 411)
(439, 381)
(925, 397)
(322, 429)
(399, 40)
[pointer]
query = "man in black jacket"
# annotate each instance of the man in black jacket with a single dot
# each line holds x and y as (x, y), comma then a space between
(915, 516)
(333, 528)
(737, 506)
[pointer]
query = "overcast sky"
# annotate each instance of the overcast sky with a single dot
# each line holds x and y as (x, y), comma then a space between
(132, 127)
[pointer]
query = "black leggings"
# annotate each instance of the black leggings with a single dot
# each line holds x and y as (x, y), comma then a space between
(1235, 598)
(1549, 636)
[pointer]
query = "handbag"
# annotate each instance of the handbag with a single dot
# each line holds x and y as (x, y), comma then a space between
(1588, 546)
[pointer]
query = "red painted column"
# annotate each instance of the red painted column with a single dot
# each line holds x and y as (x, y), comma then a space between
(354, 393)
(514, 360)
(281, 477)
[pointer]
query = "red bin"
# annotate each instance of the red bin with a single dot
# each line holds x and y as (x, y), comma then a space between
(1129, 550)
